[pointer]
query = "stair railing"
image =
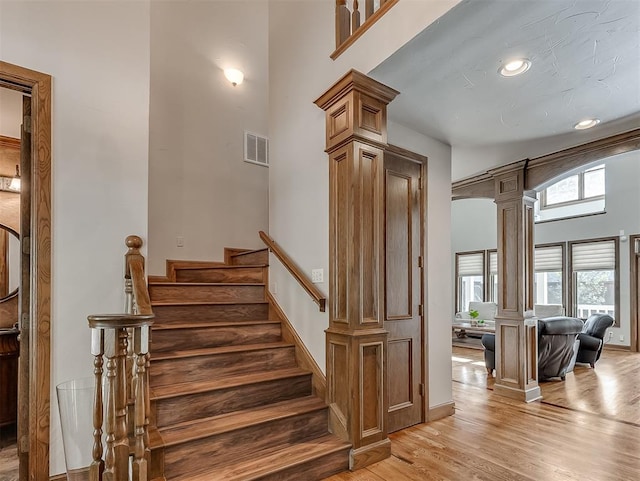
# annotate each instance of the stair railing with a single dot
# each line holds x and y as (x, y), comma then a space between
(354, 17)
(317, 296)
(123, 340)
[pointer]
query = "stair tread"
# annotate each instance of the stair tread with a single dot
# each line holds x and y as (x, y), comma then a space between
(212, 323)
(196, 284)
(273, 462)
(252, 251)
(201, 428)
(194, 387)
(203, 303)
(167, 323)
(205, 351)
(224, 266)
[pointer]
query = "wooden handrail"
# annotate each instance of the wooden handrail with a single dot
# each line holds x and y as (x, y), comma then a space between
(349, 23)
(317, 296)
(120, 346)
(134, 270)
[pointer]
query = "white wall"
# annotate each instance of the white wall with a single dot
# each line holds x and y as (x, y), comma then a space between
(301, 38)
(622, 213)
(98, 56)
(199, 186)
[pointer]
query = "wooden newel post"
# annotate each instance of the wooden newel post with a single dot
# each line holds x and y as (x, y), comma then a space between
(357, 393)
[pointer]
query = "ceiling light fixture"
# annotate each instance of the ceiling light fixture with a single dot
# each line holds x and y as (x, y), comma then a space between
(234, 76)
(514, 67)
(586, 124)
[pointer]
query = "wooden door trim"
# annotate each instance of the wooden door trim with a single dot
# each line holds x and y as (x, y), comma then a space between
(37, 393)
(634, 260)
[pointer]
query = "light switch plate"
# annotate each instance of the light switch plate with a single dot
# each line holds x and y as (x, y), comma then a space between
(317, 276)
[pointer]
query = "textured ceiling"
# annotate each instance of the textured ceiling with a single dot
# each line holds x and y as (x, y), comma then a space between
(585, 63)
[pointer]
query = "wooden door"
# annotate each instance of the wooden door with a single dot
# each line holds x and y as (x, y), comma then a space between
(403, 275)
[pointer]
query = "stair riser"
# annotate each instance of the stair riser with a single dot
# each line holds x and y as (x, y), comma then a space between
(254, 258)
(206, 293)
(241, 274)
(204, 368)
(167, 315)
(242, 443)
(319, 468)
(195, 406)
(196, 338)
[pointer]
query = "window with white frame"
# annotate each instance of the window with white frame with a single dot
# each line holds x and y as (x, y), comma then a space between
(584, 186)
(493, 276)
(594, 277)
(470, 278)
(549, 274)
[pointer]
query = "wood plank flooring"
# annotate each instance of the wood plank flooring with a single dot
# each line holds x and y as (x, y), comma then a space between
(585, 429)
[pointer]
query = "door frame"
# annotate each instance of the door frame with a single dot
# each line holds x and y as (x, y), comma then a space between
(424, 334)
(634, 290)
(33, 439)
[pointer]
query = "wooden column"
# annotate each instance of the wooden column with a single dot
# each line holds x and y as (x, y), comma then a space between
(356, 135)
(516, 329)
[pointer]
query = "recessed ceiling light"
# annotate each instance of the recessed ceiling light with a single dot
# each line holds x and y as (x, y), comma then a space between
(586, 124)
(514, 67)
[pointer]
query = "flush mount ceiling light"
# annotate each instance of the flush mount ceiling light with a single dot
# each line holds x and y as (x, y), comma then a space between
(514, 67)
(586, 124)
(234, 76)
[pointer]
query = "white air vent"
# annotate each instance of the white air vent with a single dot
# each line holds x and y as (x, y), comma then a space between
(256, 149)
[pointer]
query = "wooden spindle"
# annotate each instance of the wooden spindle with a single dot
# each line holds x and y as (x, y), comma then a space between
(140, 461)
(97, 347)
(110, 456)
(343, 27)
(130, 381)
(147, 409)
(128, 295)
(122, 438)
(355, 17)
(368, 9)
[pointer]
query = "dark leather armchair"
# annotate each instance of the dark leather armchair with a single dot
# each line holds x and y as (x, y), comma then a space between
(556, 346)
(592, 338)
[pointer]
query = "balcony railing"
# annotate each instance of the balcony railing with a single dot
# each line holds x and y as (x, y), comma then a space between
(354, 17)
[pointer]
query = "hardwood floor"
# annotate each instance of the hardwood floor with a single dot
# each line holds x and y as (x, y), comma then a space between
(8, 454)
(585, 429)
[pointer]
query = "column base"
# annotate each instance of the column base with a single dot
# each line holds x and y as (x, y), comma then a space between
(370, 454)
(527, 395)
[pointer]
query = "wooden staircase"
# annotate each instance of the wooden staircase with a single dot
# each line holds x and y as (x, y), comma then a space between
(228, 399)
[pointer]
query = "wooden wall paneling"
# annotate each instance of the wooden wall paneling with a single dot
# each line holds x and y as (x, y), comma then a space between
(355, 108)
(516, 332)
(34, 376)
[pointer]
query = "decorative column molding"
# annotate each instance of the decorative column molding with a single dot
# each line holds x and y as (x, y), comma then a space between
(356, 134)
(516, 328)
